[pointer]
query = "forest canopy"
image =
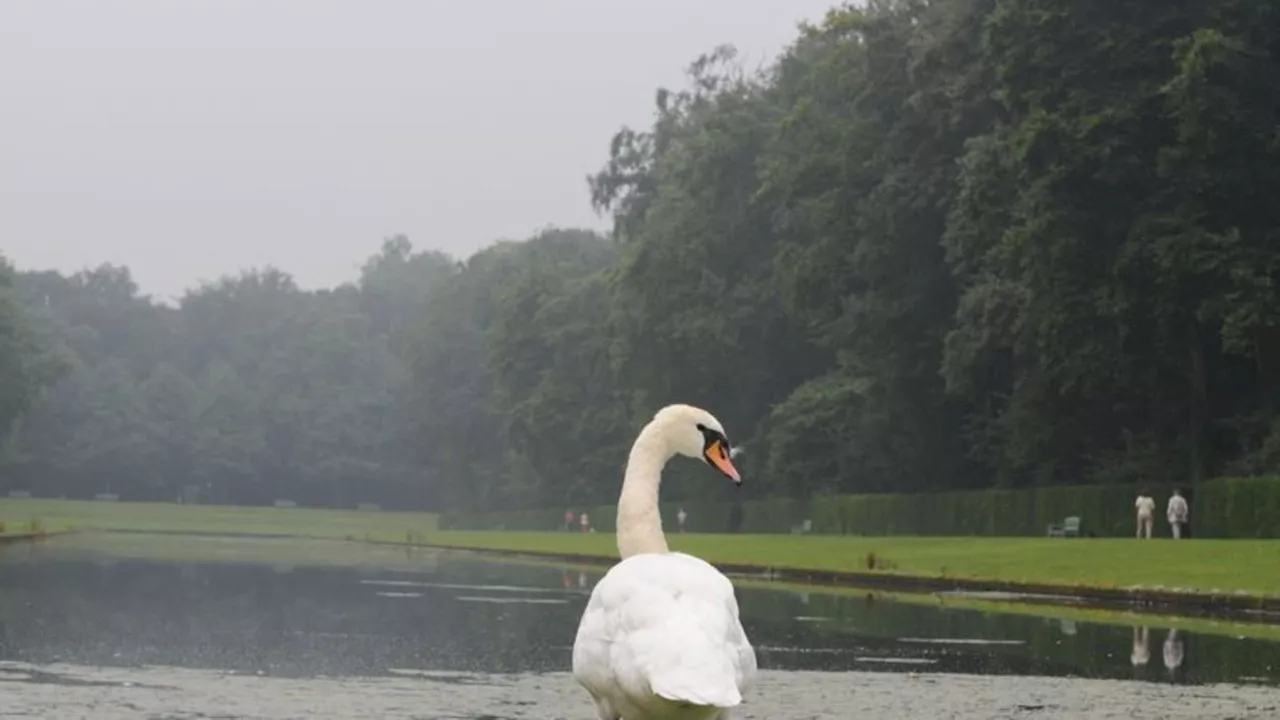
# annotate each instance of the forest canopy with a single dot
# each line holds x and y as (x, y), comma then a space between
(932, 246)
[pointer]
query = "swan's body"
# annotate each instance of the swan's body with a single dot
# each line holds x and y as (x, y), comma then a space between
(660, 638)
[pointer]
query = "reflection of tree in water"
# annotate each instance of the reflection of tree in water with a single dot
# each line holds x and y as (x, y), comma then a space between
(252, 618)
(1092, 650)
(7, 610)
(269, 605)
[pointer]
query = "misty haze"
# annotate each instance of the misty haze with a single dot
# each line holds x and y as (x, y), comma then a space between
(639, 361)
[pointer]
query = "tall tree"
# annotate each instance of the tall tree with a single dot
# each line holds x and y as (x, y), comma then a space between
(881, 102)
(934, 245)
(28, 361)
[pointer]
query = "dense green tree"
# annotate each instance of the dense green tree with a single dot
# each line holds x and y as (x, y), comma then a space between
(251, 390)
(696, 313)
(1106, 283)
(549, 347)
(29, 361)
(934, 245)
(881, 102)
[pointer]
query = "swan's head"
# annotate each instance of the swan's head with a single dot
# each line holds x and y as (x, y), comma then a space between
(696, 433)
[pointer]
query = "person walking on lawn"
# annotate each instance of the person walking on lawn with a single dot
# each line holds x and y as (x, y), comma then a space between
(1178, 513)
(1146, 512)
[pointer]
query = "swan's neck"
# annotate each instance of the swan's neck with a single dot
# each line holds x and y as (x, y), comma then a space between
(639, 524)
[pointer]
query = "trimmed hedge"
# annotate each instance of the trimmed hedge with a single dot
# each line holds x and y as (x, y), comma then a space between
(1223, 508)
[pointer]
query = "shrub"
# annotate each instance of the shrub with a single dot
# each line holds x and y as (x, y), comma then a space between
(1225, 508)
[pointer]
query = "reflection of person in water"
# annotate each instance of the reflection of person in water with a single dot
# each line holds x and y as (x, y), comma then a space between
(1141, 646)
(1174, 652)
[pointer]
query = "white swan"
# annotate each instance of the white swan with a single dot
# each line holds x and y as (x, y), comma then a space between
(660, 638)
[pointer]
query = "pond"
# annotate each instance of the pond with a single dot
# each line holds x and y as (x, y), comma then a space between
(178, 627)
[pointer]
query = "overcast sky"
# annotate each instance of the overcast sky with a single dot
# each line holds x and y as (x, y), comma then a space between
(191, 138)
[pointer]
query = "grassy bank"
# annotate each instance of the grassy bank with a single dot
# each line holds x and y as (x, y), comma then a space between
(57, 515)
(1245, 566)
(12, 526)
(1230, 566)
(284, 552)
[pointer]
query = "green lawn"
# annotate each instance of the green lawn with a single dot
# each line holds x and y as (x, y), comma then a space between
(170, 517)
(1251, 566)
(279, 552)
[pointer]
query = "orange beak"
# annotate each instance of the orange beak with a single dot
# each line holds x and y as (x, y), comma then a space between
(718, 456)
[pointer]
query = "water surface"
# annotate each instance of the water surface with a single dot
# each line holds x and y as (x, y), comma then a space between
(87, 609)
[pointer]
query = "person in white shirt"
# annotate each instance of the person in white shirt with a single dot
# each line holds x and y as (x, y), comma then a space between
(1146, 513)
(681, 517)
(1178, 513)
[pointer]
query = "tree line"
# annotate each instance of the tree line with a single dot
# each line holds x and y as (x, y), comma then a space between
(932, 246)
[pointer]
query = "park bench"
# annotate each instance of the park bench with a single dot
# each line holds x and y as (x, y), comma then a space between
(1069, 527)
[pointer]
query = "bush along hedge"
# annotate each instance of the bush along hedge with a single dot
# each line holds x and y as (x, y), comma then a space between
(1221, 508)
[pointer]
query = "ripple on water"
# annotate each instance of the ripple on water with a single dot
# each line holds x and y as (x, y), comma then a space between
(511, 600)
(465, 586)
(959, 641)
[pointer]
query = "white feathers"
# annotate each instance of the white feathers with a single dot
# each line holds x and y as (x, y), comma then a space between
(661, 638)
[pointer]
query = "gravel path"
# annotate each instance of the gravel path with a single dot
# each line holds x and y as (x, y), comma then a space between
(66, 692)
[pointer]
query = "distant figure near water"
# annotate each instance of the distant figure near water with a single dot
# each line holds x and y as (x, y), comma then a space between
(1174, 652)
(1178, 513)
(1146, 512)
(1141, 646)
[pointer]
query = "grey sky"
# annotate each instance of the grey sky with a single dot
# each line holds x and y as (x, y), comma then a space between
(191, 138)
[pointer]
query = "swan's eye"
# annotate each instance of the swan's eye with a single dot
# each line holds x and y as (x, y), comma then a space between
(717, 454)
(714, 444)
